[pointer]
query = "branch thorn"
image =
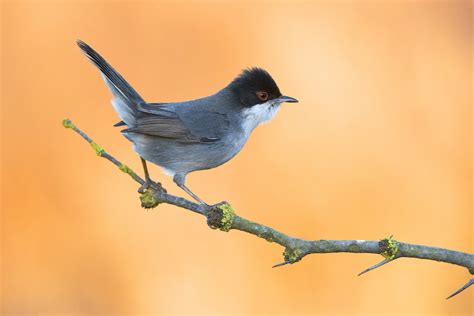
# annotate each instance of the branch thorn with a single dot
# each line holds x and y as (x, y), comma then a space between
(375, 266)
(468, 284)
(282, 264)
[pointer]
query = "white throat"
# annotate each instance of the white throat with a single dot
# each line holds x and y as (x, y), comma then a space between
(258, 114)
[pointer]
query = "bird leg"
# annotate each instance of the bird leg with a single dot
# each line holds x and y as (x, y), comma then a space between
(179, 180)
(148, 182)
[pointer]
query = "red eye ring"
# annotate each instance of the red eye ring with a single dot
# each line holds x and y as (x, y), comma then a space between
(262, 95)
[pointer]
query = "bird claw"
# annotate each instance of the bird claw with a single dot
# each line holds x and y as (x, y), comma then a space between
(150, 184)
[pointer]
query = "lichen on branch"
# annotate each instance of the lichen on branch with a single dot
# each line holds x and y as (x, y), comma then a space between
(388, 247)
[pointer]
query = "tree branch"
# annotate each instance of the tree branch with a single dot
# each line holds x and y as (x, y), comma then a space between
(223, 217)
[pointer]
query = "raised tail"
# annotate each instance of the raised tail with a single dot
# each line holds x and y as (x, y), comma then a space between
(126, 98)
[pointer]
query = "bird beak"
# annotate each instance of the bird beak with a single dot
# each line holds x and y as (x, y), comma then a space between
(284, 98)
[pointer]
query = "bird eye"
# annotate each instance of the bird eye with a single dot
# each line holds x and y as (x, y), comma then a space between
(262, 95)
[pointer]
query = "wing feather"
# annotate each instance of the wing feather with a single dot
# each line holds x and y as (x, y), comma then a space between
(186, 126)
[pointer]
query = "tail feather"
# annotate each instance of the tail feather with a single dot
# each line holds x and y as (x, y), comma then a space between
(121, 123)
(126, 98)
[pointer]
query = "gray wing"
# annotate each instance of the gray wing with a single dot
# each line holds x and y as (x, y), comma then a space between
(185, 122)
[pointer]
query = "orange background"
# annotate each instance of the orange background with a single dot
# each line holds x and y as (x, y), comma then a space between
(379, 144)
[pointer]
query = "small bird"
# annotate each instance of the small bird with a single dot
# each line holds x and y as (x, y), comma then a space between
(182, 137)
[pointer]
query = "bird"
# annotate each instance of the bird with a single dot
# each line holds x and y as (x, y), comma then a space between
(199, 134)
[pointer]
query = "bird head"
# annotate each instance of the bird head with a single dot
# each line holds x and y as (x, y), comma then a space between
(255, 86)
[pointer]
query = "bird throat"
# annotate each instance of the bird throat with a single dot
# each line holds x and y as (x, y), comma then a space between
(258, 114)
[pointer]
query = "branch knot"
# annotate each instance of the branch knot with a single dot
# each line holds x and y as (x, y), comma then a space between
(67, 123)
(221, 216)
(292, 255)
(148, 199)
(98, 150)
(388, 248)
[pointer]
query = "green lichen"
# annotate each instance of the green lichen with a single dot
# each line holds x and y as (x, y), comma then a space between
(98, 150)
(67, 123)
(292, 255)
(125, 168)
(388, 248)
(228, 215)
(148, 199)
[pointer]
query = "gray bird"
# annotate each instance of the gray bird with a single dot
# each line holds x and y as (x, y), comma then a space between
(182, 137)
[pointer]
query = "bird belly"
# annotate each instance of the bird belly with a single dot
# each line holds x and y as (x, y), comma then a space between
(181, 158)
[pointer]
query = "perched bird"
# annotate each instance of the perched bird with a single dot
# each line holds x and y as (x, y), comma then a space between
(182, 137)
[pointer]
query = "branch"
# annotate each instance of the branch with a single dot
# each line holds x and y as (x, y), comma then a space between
(223, 217)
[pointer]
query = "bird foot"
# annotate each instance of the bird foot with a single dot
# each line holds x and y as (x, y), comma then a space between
(150, 184)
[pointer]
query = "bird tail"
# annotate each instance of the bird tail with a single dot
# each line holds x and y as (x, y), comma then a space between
(126, 98)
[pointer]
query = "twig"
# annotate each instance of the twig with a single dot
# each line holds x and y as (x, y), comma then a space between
(223, 217)
(465, 286)
(102, 153)
(284, 263)
(375, 266)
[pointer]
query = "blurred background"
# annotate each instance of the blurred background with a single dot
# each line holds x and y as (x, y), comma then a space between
(380, 144)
